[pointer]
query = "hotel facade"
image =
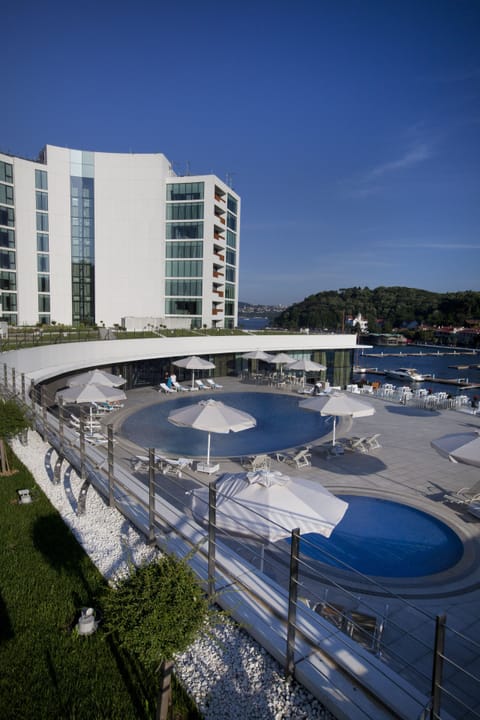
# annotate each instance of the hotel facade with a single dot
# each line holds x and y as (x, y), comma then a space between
(93, 238)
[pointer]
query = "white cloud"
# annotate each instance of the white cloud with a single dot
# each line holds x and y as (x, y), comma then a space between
(412, 157)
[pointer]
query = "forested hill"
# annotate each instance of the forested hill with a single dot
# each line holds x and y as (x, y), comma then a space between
(385, 308)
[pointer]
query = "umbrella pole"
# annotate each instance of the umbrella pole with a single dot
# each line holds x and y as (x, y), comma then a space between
(208, 450)
(334, 423)
(193, 378)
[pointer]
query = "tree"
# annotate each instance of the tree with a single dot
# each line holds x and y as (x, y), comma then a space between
(157, 612)
(12, 422)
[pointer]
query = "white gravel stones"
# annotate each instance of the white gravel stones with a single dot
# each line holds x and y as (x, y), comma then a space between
(228, 674)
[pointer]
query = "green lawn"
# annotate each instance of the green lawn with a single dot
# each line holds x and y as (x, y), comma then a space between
(47, 670)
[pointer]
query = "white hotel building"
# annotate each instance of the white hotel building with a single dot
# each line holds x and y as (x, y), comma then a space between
(115, 238)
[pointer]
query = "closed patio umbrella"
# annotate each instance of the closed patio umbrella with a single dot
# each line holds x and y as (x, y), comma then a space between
(337, 404)
(193, 362)
(270, 505)
(212, 416)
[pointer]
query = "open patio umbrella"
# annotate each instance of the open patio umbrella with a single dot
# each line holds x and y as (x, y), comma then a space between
(460, 447)
(281, 359)
(270, 505)
(306, 366)
(337, 404)
(89, 393)
(98, 377)
(256, 355)
(212, 416)
(193, 362)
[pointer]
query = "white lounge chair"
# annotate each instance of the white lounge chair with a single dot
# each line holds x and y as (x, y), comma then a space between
(164, 388)
(356, 444)
(372, 442)
(201, 385)
(211, 383)
(178, 387)
(257, 462)
(302, 458)
(465, 496)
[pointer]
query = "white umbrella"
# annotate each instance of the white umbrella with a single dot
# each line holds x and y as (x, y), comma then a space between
(90, 393)
(338, 405)
(98, 377)
(281, 359)
(193, 362)
(271, 505)
(460, 447)
(212, 416)
(306, 366)
(257, 355)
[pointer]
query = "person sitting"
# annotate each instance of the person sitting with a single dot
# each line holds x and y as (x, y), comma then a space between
(170, 384)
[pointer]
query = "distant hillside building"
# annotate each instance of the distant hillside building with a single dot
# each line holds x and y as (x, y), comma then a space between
(92, 237)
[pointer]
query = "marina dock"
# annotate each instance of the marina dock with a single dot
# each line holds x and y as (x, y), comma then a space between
(457, 382)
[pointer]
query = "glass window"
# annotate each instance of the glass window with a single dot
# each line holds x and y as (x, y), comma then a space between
(183, 307)
(7, 238)
(186, 211)
(185, 191)
(230, 274)
(183, 287)
(44, 319)
(184, 268)
(43, 263)
(186, 230)
(229, 308)
(42, 222)
(43, 283)
(6, 172)
(8, 280)
(42, 242)
(231, 239)
(42, 200)
(184, 249)
(231, 256)
(230, 291)
(41, 180)
(231, 222)
(9, 302)
(232, 204)
(6, 194)
(7, 260)
(44, 303)
(7, 216)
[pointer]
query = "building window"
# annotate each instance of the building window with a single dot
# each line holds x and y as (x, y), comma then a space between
(6, 194)
(7, 260)
(187, 211)
(8, 281)
(231, 256)
(41, 180)
(232, 204)
(7, 238)
(231, 222)
(183, 287)
(43, 283)
(42, 222)
(44, 319)
(42, 242)
(82, 208)
(186, 231)
(184, 268)
(229, 308)
(231, 239)
(185, 306)
(185, 191)
(7, 216)
(184, 249)
(44, 303)
(230, 274)
(41, 200)
(43, 263)
(230, 291)
(9, 302)
(6, 172)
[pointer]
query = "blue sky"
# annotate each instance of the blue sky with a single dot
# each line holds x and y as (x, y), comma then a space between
(350, 128)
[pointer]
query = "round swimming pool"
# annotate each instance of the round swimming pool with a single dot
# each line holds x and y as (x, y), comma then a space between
(280, 424)
(386, 539)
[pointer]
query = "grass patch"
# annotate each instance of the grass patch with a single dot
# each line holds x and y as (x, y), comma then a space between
(48, 670)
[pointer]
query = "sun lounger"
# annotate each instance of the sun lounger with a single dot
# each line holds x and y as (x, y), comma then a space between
(302, 458)
(356, 444)
(257, 462)
(464, 496)
(201, 385)
(372, 442)
(179, 388)
(166, 465)
(163, 387)
(213, 384)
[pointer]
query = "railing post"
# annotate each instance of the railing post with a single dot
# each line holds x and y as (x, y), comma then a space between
(111, 478)
(43, 402)
(292, 603)
(437, 672)
(212, 525)
(61, 425)
(151, 495)
(14, 381)
(82, 447)
(23, 387)
(5, 376)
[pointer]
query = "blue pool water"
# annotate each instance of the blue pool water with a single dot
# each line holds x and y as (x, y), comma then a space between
(280, 424)
(386, 539)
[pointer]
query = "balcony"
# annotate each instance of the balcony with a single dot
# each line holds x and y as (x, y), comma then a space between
(217, 274)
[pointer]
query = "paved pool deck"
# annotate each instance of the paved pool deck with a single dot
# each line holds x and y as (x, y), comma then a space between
(405, 469)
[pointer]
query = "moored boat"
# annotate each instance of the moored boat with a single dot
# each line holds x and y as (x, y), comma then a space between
(408, 374)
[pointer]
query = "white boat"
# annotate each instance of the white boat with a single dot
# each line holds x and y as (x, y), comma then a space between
(408, 374)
